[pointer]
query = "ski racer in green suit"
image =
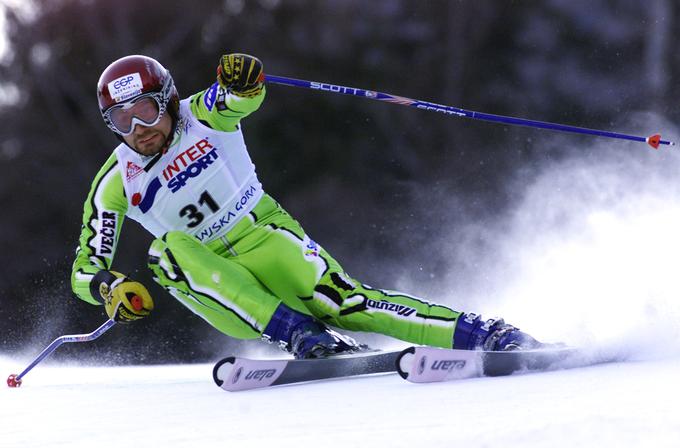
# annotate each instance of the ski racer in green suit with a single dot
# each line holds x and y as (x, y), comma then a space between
(223, 247)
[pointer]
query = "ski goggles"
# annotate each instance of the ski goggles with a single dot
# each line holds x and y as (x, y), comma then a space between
(146, 110)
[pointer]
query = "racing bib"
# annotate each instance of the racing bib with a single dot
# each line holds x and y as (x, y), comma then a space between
(203, 185)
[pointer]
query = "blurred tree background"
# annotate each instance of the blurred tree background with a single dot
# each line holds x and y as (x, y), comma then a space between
(378, 185)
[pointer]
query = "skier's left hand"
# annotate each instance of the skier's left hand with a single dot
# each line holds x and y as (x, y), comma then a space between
(242, 74)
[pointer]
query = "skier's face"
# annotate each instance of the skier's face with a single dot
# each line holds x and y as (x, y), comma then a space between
(149, 140)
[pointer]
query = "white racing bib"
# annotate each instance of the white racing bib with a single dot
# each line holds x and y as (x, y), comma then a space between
(203, 185)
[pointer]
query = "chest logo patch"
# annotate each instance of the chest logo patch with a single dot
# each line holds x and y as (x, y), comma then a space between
(133, 170)
(189, 163)
(186, 165)
(145, 202)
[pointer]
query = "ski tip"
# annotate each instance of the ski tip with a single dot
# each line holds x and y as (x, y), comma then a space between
(404, 362)
(654, 141)
(222, 369)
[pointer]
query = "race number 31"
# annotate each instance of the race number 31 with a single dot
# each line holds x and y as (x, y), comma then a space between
(192, 211)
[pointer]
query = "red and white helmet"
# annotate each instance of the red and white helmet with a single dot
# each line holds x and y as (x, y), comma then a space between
(127, 82)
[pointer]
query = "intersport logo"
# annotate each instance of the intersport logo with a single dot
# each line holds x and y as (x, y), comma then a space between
(189, 163)
(186, 165)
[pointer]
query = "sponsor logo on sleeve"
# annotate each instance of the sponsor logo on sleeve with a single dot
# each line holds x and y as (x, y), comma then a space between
(210, 96)
(401, 310)
(107, 233)
(125, 87)
(311, 249)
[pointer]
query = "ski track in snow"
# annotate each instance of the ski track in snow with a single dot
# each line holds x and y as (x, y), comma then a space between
(623, 404)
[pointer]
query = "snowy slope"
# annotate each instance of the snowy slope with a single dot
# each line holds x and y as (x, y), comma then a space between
(631, 404)
(588, 254)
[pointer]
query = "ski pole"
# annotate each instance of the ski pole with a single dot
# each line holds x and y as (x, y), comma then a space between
(653, 140)
(14, 380)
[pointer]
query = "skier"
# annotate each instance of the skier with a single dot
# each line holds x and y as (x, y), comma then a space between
(223, 247)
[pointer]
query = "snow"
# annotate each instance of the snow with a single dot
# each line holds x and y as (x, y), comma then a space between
(588, 255)
(622, 404)
(584, 258)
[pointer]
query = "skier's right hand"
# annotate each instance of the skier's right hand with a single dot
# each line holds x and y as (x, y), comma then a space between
(125, 300)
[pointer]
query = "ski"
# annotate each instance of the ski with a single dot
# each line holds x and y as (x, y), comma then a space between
(415, 364)
(235, 373)
(429, 364)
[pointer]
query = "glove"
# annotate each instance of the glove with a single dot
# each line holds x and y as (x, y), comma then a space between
(124, 300)
(241, 74)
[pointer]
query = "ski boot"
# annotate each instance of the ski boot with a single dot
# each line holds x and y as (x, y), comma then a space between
(306, 337)
(472, 333)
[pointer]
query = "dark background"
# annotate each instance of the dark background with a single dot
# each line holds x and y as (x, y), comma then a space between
(378, 185)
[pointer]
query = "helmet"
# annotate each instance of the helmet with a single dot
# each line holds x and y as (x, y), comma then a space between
(129, 81)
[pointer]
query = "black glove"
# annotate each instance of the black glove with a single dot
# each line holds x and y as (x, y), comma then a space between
(241, 74)
(124, 300)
